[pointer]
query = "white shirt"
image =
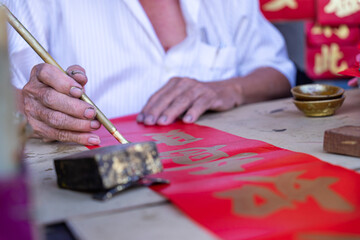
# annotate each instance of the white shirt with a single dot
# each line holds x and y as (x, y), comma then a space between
(124, 60)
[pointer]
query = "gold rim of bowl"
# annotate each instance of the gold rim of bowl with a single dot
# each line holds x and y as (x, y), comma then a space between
(317, 91)
(319, 108)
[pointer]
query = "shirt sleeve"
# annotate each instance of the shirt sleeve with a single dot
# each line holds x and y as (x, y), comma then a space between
(34, 15)
(265, 46)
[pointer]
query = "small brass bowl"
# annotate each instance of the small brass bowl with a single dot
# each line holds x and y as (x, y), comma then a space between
(319, 108)
(312, 92)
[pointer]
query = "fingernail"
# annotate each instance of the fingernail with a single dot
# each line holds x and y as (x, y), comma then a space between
(94, 124)
(140, 117)
(163, 119)
(76, 92)
(89, 113)
(94, 140)
(74, 72)
(149, 120)
(188, 119)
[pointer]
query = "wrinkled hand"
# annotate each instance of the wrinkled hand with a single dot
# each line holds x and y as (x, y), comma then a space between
(188, 98)
(53, 108)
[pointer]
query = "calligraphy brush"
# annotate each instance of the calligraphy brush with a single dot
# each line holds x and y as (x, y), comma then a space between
(27, 36)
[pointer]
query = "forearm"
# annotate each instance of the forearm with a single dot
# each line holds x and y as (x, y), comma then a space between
(262, 84)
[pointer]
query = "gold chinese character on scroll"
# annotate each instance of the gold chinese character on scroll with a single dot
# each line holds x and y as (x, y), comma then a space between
(328, 60)
(226, 165)
(341, 32)
(342, 8)
(173, 138)
(276, 5)
(194, 155)
(255, 200)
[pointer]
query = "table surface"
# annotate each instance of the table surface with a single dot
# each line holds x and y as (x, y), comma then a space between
(141, 213)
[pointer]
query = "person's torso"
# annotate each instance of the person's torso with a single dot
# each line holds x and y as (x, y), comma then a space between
(116, 44)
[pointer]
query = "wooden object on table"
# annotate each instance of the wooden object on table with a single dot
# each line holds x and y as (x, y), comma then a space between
(343, 140)
(106, 167)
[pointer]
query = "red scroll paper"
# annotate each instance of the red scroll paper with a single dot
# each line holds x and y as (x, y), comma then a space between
(246, 189)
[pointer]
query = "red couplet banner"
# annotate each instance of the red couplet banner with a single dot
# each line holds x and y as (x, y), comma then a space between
(240, 188)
